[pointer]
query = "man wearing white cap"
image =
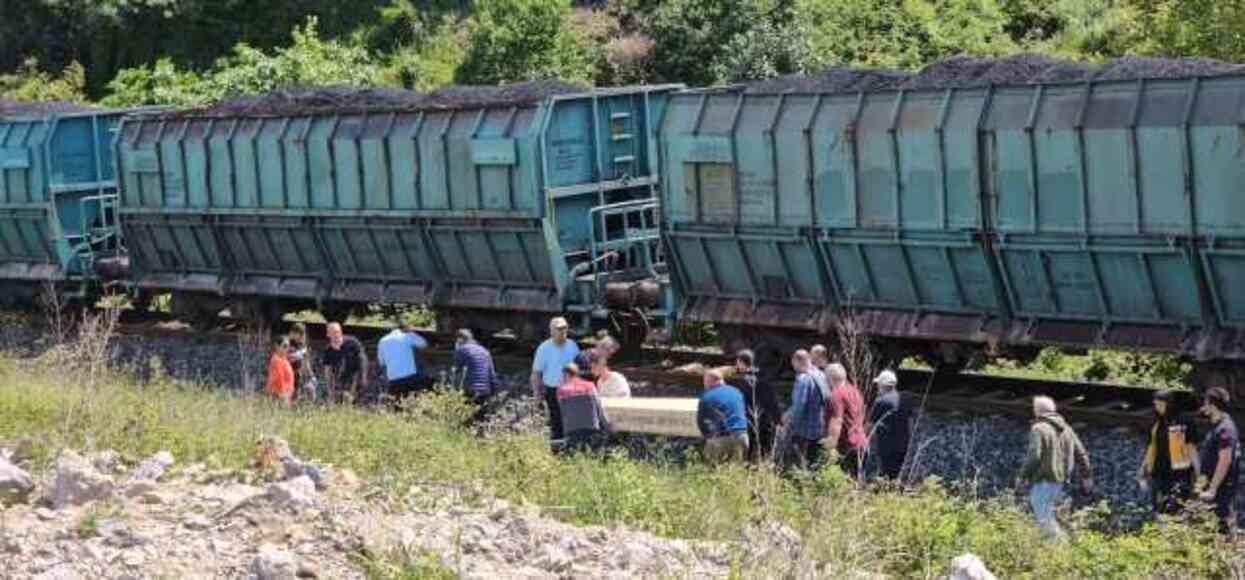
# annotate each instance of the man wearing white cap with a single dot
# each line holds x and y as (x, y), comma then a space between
(890, 425)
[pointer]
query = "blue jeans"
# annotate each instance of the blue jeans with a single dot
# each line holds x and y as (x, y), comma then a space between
(1044, 497)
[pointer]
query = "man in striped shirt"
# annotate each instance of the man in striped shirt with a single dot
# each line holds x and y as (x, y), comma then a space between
(474, 364)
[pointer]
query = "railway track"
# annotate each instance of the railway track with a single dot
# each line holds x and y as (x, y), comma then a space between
(666, 373)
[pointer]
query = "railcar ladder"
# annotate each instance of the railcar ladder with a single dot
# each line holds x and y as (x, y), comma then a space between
(91, 237)
(629, 231)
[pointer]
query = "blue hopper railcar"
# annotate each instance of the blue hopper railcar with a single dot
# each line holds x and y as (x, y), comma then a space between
(497, 215)
(58, 196)
(946, 222)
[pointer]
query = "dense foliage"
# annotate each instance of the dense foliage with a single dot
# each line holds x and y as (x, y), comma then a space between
(192, 51)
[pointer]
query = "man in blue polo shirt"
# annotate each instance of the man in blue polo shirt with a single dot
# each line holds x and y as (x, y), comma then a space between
(720, 416)
(552, 356)
(396, 353)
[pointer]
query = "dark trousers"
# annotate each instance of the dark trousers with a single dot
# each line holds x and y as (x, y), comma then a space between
(481, 401)
(806, 452)
(1225, 507)
(555, 412)
(850, 461)
(589, 440)
(761, 440)
(890, 463)
(1170, 491)
(409, 385)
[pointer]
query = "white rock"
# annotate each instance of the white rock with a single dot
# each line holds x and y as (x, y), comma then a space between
(553, 558)
(106, 462)
(632, 555)
(771, 538)
(139, 488)
(10, 545)
(17, 451)
(298, 493)
(62, 572)
(197, 522)
(273, 563)
(968, 566)
(152, 468)
(76, 482)
(15, 484)
(118, 534)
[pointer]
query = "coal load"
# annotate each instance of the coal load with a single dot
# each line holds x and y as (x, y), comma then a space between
(969, 72)
(1136, 67)
(832, 80)
(304, 100)
(39, 108)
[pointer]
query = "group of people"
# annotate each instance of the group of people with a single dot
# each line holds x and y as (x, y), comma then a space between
(826, 419)
(345, 370)
(1169, 469)
(740, 418)
(571, 383)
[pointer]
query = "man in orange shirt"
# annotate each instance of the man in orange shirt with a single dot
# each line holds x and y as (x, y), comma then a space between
(281, 373)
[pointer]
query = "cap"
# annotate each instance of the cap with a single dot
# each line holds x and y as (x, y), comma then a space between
(1219, 396)
(887, 378)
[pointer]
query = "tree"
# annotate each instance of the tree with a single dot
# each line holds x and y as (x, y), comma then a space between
(514, 40)
(1079, 29)
(902, 33)
(701, 42)
(107, 36)
(30, 83)
(1212, 28)
(428, 62)
(309, 60)
(161, 84)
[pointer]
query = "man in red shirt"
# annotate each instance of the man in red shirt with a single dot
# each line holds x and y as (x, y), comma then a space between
(845, 421)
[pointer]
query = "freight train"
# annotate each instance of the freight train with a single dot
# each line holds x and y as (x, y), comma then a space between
(942, 222)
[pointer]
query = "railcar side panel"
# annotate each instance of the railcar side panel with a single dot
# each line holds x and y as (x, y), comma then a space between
(475, 207)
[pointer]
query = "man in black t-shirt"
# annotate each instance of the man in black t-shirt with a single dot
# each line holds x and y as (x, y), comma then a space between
(345, 365)
(1168, 466)
(1219, 452)
(889, 425)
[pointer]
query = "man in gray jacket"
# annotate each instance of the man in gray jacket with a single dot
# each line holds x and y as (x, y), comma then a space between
(1055, 453)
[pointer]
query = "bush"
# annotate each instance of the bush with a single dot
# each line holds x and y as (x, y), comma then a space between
(31, 83)
(517, 40)
(309, 60)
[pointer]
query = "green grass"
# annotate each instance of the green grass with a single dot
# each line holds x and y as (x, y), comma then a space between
(909, 533)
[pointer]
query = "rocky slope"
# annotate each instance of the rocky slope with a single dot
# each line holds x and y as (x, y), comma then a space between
(96, 517)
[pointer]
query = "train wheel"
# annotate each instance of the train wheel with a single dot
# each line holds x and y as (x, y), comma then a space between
(202, 314)
(631, 332)
(141, 301)
(257, 313)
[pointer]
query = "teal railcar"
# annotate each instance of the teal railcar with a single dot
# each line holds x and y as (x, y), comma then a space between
(1085, 214)
(58, 194)
(503, 214)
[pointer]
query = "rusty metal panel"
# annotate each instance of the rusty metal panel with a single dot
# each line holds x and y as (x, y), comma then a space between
(1110, 281)
(920, 271)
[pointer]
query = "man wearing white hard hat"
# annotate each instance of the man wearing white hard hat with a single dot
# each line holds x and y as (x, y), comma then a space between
(890, 427)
